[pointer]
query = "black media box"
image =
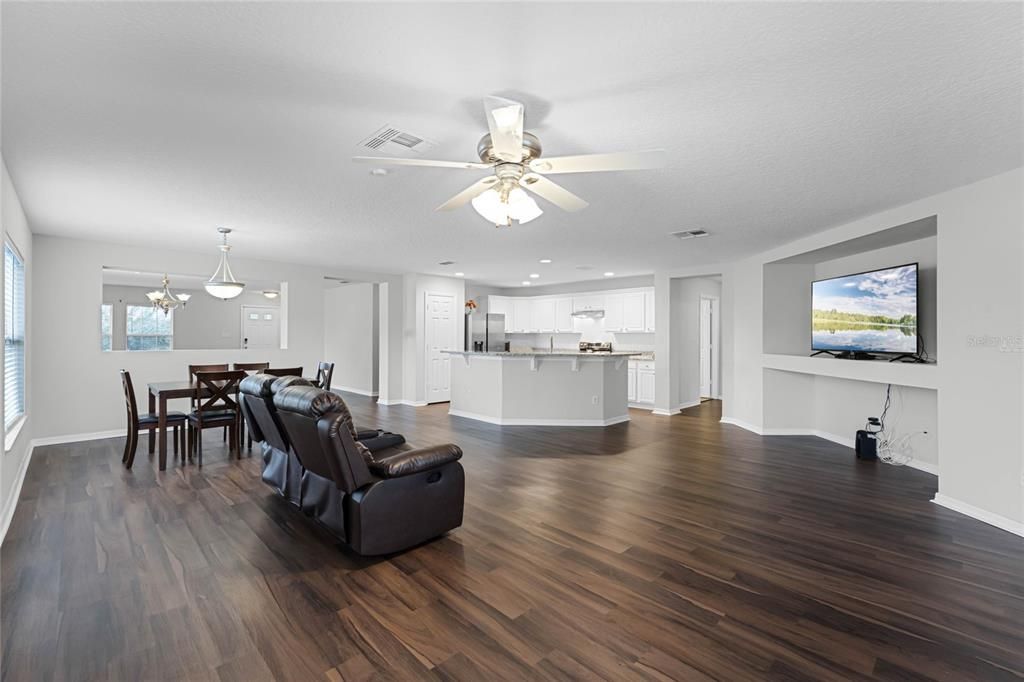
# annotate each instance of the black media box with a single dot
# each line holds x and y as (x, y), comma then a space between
(866, 445)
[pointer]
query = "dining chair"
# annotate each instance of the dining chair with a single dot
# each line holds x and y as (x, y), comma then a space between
(284, 371)
(192, 370)
(324, 372)
(217, 406)
(137, 422)
(250, 368)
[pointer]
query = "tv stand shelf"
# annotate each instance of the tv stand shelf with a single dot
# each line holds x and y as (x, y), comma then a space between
(876, 371)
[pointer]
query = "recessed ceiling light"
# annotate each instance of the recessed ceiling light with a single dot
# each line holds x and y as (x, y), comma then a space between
(609, 274)
(534, 275)
(526, 282)
(379, 171)
(460, 274)
(545, 261)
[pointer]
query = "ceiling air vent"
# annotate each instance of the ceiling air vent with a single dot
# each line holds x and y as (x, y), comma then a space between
(390, 138)
(689, 234)
(447, 262)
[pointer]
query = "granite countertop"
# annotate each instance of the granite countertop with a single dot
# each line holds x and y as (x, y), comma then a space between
(544, 353)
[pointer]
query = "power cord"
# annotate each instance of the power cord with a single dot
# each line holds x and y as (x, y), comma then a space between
(893, 448)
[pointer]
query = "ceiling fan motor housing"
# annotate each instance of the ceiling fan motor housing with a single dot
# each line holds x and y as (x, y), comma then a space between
(531, 149)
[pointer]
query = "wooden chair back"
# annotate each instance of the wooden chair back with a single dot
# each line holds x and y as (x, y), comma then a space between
(324, 372)
(284, 371)
(129, 402)
(195, 369)
(251, 366)
(221, 389)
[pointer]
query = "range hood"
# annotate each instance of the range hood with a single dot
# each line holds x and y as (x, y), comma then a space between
(591, 314)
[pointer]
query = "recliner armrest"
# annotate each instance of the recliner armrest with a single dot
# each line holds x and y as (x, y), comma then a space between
(415, 461)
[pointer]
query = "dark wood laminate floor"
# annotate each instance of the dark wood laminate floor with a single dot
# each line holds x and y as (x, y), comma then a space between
(660, 549)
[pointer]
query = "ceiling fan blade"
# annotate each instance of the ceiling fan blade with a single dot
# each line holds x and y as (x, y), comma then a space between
(590, 163)
(387, 161)
(505, 121)
(468, 194)
(555, 193)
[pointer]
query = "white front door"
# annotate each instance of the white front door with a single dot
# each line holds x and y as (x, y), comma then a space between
(440, 335)
(261, 327)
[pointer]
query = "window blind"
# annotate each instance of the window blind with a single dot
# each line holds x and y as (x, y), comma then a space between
(14, 337)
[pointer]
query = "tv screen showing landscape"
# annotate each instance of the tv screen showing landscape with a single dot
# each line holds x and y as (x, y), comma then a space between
(870, 312)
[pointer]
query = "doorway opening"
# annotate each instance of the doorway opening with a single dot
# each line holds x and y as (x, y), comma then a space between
(710, 330)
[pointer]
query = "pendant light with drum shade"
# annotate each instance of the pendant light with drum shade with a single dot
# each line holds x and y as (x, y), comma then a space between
(223, 284)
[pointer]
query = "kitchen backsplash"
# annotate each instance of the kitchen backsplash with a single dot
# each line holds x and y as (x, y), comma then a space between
(619, 340)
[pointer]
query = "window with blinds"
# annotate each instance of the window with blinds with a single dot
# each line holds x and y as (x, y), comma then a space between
(14, 337)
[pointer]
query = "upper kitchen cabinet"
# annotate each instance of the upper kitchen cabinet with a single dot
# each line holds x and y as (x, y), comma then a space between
(563, 315)
(587, 302)
(613, 312)
(649, 311)
(522, 315)
(543, 315)
(633, 312)
(501, 305)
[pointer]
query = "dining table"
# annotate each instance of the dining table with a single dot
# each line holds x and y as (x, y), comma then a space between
(159, 393)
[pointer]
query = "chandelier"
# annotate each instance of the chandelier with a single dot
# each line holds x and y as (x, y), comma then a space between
(223, 284)
(165, 300)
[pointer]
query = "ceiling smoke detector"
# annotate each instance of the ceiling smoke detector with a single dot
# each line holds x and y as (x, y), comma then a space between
(689, 234)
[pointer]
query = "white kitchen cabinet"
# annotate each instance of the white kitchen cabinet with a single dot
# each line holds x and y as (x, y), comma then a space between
(543, 315)
(587, 302)
(522, 314)
(563, 314)
(502, 305)
(632, 319)
(613, 312)
(644, 385)
(631, 383)
(649, 311)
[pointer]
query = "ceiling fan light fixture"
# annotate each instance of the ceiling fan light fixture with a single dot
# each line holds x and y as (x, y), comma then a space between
(520, 207)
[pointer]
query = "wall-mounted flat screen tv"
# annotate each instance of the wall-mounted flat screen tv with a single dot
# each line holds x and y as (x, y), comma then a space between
(871, 312)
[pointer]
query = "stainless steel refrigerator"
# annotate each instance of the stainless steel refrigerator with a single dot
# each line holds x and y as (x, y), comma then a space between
(486, 333)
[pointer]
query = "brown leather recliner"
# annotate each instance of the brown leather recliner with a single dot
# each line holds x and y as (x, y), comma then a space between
(376, 505)
(281, 468)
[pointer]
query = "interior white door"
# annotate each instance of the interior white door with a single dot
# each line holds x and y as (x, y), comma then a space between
(706, 348)
(261, 327)
(439, 332)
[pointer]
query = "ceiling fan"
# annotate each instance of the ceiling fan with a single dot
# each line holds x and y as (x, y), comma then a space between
(514, 156)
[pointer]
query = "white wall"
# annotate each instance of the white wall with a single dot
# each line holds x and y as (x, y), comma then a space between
(205, 323)
(68, 367)
(350, 336)
(979, 328)
(14, 462)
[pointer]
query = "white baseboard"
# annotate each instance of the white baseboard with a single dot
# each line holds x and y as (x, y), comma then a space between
(415, 403)
(988, 517)
(640, 406)
(78, 437)
(678, 409)
(688, 404)
(388, 402)
(920, 465)
(7, 515)
(539, 422)
(357, 391)
(742, 424)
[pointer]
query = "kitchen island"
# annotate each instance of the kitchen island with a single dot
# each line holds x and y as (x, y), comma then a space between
(540, 388)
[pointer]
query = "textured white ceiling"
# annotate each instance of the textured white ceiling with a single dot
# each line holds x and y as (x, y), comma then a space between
(152, 123)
